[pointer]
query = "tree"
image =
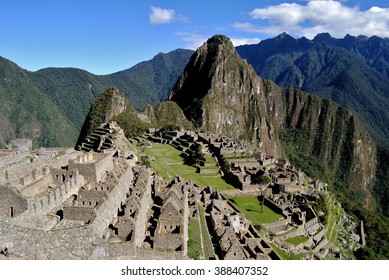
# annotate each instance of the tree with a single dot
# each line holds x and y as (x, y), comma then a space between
(144, 160)
(365, 253)
(195, 156)
(260, 178)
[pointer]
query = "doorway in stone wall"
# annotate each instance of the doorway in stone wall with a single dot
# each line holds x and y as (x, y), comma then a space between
(11, 211)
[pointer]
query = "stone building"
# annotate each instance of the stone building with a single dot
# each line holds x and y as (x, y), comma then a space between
(13, 202)
(169, 224)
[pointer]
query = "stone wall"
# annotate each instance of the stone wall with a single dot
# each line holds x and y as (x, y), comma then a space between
(12, 160)
(45, 202)
(107, 211)
(93, 166)
(85, 214)
(142, 216)
(274, 207)
(278, 223)
(91, 197)
(293, 233)
(171, 242)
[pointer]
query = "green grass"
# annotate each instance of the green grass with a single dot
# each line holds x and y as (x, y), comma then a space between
(168, 163)
(297, 240)
(333, 216)
(251, 209)
(210, 158)
(206, 239)
(210, 167)
(284, 255)
(194, 243)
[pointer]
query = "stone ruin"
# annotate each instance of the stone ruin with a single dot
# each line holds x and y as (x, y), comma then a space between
(67, 204)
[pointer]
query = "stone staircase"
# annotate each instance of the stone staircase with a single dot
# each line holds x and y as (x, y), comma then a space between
(99, 139)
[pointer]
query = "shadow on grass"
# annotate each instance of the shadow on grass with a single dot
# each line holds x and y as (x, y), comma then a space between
(252, 210)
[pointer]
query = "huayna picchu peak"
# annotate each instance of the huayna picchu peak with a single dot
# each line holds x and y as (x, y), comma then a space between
(220, 93)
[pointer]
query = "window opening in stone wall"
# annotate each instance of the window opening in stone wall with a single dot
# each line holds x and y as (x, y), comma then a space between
(60, 214)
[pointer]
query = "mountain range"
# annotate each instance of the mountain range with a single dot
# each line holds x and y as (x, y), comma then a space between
(353, 71)
(50, 105)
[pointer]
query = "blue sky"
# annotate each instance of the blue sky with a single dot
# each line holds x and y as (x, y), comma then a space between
(104, 36)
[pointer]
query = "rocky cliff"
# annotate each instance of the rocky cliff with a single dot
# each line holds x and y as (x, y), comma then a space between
(220, 93)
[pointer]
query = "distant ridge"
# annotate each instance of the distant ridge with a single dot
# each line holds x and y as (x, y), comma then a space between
(353, 71)
(50, 105)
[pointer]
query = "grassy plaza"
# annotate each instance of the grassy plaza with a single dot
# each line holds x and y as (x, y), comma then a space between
(251, 208)
(168, 163)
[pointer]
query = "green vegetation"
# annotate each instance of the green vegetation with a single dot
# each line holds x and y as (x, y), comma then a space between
(168, 115)
(50, 105)
(285, 255)
(195, 156)
(206, 239)
(381, 186)
(144, 160)
(27, 112)
(259, 178)
(332, 218)
(194, 243)
(103, 107)
(150, 82)
(130, 123)
(169, 163)
(251, 208)
(347, 71)
(377, 232)
(297, 240)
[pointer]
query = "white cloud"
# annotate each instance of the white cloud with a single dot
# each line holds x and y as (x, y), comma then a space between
(318, 16)
(193, 40)
(244, 41)
(254, 28)
(161, 16)
(286, 14)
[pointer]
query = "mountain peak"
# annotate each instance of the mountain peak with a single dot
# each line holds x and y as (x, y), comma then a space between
(283, 35)
(220, 93)
(219, 39)
(216, 45)
(215, 62)
(323, 38)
